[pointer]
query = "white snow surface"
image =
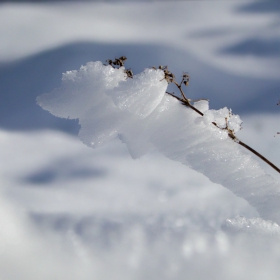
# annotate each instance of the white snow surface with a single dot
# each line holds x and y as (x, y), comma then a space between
(144, 117)
(71, 212)
(135, 219)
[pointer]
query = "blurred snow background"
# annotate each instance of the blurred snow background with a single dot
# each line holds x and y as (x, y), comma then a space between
(68, 211)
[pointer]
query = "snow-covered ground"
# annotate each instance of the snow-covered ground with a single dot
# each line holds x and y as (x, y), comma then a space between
(68, 211)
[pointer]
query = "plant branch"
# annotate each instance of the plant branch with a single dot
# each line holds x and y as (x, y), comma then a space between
(170, 78)
(186, 102)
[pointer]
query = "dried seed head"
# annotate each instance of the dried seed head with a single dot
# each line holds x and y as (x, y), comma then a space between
(129, 73)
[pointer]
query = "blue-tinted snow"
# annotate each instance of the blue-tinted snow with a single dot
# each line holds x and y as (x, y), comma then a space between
(101, 215)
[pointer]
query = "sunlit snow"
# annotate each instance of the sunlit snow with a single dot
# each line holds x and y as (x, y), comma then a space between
(124, 210)
(144, 117)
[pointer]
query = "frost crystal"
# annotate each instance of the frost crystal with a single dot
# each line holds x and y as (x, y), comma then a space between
(110, 105)
(223, 118)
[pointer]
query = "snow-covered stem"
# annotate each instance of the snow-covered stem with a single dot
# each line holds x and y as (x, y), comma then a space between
(187, 103)
(110, 102)
(170, 78)
(259, 155)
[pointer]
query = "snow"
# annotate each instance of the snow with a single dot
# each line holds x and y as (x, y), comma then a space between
(68, 211)
(224, 118)
(144, 117)
(252, 226)
(177, 25)
(125, 217)
(91, 93)
(146, 96)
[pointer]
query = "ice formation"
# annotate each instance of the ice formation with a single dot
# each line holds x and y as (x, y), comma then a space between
(255, 226)
(110, 105)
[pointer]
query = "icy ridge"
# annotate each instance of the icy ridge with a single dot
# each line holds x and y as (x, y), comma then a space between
(110, 105)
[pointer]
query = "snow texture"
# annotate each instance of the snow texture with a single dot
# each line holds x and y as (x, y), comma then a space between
(110, 105)
(253, 227)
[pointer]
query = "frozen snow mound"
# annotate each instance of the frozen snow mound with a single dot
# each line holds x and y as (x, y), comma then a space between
(108, 104)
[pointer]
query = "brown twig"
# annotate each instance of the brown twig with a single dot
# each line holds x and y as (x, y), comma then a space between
(186, 102)
(170, 78)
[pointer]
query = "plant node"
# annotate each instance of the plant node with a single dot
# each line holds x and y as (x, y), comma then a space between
(119, 62)
(129, 73)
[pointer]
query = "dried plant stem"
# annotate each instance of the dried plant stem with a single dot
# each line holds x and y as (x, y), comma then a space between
(259, 155)
(187, 103)
(170, 78)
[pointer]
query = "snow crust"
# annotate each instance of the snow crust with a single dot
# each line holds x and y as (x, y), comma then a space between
(109, 105)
